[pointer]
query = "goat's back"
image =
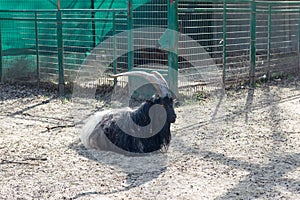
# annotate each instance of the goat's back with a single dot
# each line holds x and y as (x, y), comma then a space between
(90, 125)
(92, 122)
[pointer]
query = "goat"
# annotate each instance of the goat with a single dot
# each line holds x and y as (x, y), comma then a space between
(143, 130)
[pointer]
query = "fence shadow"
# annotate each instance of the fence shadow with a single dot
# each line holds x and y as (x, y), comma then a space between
(260, 177)
(249, 107)
(269, 176)
(249, 104)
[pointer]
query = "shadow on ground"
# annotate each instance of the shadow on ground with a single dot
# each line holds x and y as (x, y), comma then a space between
(261, 179)
(138, 169)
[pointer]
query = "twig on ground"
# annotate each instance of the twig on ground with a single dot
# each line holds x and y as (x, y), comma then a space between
(59, 126)
(23, 162)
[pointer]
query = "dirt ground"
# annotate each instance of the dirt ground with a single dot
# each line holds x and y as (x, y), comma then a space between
(244, 146)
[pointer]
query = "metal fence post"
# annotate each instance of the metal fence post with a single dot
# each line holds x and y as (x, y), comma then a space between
(252, 43)
(37, 49)
(115, 49)
(1, 55)
(93, 23)
(224, 41)
(269, 41)
(173, 53)
(130, 35)
(299, 45)
(61, 81)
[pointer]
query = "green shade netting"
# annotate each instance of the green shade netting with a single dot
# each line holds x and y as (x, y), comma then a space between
(19, 34)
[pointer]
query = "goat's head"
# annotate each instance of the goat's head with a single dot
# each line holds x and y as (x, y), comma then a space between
(167, 103)
(164, 97)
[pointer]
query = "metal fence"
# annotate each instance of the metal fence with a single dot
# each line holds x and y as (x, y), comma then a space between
(56, 43)
(240, 40)
(246, 39)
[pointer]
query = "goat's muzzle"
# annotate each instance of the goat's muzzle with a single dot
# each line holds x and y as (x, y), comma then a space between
(172, 118)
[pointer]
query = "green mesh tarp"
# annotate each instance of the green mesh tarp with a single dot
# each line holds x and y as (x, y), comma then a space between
(18, 34)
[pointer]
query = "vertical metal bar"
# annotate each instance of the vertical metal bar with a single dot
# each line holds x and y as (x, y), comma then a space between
(252, 43)
(130, 45)
(1, 55)
(269, 41)
(61, 81)
(173, 53)
(37, 49)
(93, 23)
(130, 34)
(224, 41)
(115, 49)
(299, 44)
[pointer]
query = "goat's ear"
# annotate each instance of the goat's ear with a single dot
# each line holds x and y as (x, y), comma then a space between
(168, 99)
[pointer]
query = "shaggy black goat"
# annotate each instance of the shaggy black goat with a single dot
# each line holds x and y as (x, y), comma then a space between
(143, 130)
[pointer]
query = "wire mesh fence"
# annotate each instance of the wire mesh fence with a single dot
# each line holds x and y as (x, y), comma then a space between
(150, 22)
(200, 47)
(216, 40)
(39, 35)
(223, 29)
(277, 39)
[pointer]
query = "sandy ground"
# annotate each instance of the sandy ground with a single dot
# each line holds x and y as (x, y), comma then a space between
(244, 146)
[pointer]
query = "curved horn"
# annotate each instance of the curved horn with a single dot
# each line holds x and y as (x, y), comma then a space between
(161, 77)
(154, 78)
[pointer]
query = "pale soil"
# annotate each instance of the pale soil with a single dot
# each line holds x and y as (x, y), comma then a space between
(244, 146)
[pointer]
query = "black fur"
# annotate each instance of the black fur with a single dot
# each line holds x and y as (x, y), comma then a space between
(140, 117)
